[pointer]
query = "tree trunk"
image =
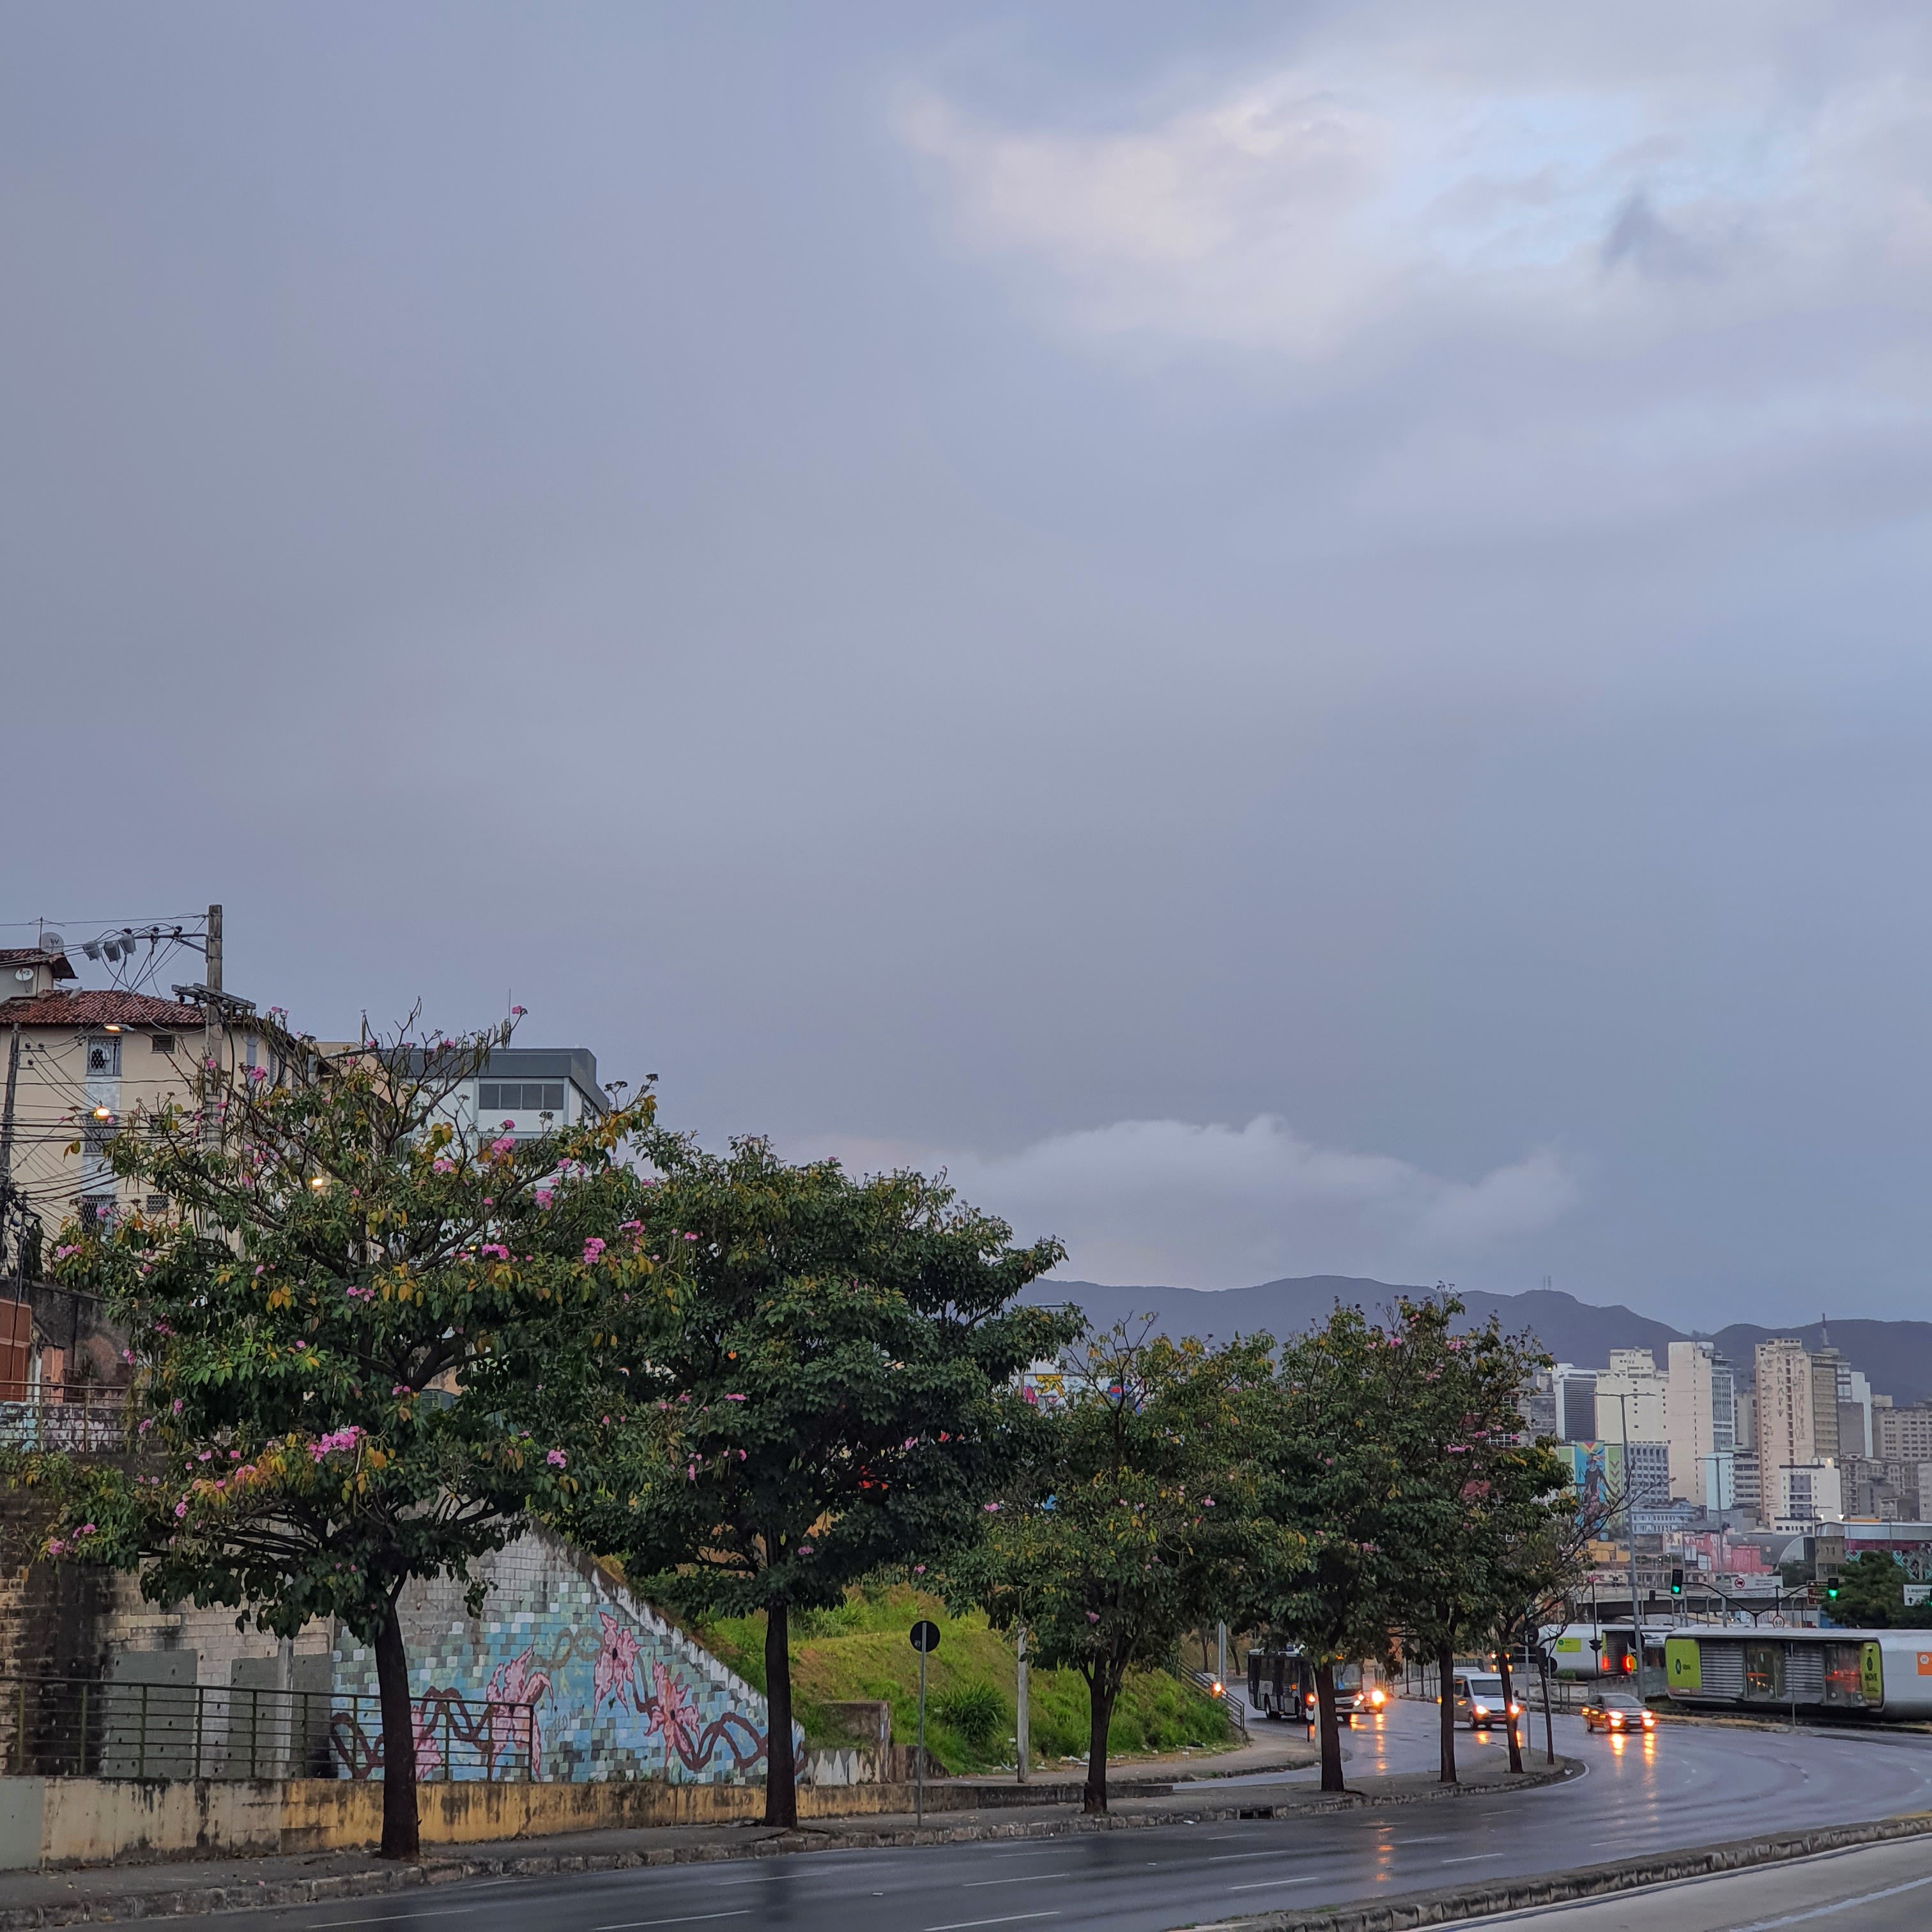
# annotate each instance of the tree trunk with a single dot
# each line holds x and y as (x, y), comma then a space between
(781, 1774)
(399, 1838)
(1331, 1728)
(1549, 1727)
(1445, 1679)
(1101, 1690)
(1509, 1706)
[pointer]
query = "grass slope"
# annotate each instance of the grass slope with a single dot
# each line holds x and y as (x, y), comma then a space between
(860, 1651)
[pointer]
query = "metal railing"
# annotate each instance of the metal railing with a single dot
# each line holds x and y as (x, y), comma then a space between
(87, 1417)
(87, 1727)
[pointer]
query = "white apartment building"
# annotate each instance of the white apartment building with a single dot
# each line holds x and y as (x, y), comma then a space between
(1631, 1397)
(1809, 1494)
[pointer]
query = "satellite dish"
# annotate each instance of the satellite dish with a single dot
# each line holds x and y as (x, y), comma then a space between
(51, 942)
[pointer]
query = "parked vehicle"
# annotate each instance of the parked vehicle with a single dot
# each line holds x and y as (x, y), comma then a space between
(1616, 1713)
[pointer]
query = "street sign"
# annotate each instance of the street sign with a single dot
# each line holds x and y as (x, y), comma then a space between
(924, 1637)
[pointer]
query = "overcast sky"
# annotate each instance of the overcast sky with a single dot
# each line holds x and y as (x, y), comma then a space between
(1295, 638)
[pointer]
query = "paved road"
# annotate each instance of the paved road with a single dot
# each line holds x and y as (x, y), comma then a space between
(1886, 1888)
(1685, 1785)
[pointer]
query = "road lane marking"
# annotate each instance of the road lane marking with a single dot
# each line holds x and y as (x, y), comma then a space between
(684, 1919)
(384, 1918)
(1825, 1911)
(1012, 1918)
(1018, 1878)
(1264, 1884)
(1471, 1858)
(1440, 1838)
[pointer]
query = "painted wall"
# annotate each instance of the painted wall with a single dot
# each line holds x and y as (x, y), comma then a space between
(565, 1677)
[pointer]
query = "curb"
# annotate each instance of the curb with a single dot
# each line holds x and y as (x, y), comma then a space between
(1466, 1902)
(253, 1896)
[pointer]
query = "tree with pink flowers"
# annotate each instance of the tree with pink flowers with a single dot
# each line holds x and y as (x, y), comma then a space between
(338, 1330)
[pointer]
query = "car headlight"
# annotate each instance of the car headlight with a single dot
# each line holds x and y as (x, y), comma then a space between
(1482, 1710)
(1616, 1717)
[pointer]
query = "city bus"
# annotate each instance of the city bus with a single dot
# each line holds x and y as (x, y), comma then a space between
(1281, 1684)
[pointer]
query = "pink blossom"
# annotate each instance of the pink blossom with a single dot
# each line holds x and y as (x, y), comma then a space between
(592, 1248)
(503, 1144)
(517, 1012)
(442, 1164)
(86, 1529)
(1093, 1616)
(690, 1238)
(918, 1569)
(400, 1388)
(177, 1405)
(496, 1248)
(630, 1227)
(181, 1508)
(544, 1197)
(556, 1458)
(734, 1398)
(805, 1549)
(991, 1508)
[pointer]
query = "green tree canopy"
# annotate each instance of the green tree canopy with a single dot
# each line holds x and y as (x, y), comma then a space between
(354, 1290)
(837, 1393)
(1330, 1471)
(1134, 1519)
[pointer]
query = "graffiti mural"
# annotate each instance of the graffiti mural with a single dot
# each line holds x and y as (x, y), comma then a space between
(668, 1709)
(566, 1677)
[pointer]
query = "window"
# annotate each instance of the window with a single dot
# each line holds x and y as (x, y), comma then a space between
(520, 1096)
(96, 1212)
(104, 1057)
(155, 1203)
(163, 1043)
(1763, 1677)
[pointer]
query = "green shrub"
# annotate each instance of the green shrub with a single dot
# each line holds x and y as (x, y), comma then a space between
(976, 1711)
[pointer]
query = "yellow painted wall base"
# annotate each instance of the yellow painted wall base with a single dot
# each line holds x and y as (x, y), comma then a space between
(97, 1820)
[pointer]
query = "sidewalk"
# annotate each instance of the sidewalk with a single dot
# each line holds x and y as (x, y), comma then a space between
(29, 1899)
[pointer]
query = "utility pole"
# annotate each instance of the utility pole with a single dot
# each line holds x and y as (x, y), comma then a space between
(212, 1030)
(6, 1160)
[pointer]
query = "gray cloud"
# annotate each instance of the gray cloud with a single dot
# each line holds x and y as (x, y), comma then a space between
(948, 577)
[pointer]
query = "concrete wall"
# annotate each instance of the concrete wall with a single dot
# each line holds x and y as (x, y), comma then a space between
(617, 1691)
(79, 1821)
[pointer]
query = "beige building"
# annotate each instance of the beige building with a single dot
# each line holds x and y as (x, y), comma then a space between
(1700, 1422)
(78, 1062)
(1632, 1393)
(1785, 1438)
(1904, 1435)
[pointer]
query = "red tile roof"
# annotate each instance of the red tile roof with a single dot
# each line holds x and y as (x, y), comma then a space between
(99, 1009)
(35, 955)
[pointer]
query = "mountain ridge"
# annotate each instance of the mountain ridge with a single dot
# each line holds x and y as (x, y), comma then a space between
(1896, 1357)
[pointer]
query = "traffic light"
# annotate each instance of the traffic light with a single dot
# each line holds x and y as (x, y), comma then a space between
(1832, 1590)
(1677, 1582)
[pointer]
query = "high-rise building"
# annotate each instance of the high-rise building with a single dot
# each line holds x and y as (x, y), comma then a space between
(1700, 1417)
(1824, 1367)
(1904, 1435)
(1785, 1437)
(1855, 1414)
(1630, 1399)
(1576, 1393)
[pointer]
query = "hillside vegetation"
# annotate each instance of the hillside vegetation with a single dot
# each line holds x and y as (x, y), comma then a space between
(860, 1651)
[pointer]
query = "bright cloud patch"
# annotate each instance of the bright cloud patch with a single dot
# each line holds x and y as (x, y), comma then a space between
(1305, 206)
(1219, 1206)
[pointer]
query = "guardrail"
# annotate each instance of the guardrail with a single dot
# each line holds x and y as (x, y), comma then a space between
(87, 1727)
